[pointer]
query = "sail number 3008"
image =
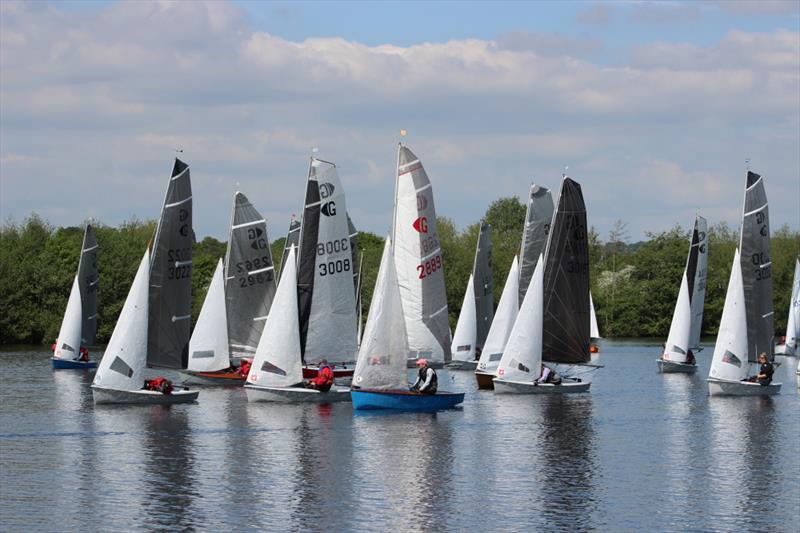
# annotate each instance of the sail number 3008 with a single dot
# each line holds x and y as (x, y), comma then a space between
(429, 267)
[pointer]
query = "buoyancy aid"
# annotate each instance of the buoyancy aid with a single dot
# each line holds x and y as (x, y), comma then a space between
(160, 384)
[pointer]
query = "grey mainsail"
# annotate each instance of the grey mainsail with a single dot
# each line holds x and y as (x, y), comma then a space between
(566, 281)
(696, 273)
(249, 278)
(292, 239)
(534, 235)
(88, 282)
(483, 285)
(756, 264)
(170, 294)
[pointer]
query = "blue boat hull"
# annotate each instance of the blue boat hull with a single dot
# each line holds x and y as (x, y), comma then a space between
(59, 364)
(404, 400)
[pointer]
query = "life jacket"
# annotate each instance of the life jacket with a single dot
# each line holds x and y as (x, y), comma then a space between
(244, 367)
(160, 384)
(324, 379)
(423, 375)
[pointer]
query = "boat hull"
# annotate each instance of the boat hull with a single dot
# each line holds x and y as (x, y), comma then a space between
(671, 367)
(457, 364)
(718, 387)
(296, 394)
(220, 378)
(63, 364)
(519, 387)
(399, 400)
(344, 372)
(485, 381)
(145, 397)
(788, 351)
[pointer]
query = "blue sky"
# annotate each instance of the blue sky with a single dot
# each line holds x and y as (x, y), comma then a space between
(653, 106)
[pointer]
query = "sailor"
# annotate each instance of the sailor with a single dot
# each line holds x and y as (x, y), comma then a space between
(427, 382)
(549, 376)
(690, 360)
(324, 379)
(764, 376)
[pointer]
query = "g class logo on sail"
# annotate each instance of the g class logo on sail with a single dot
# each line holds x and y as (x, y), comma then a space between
(421, 225)
(326, 190)
(329, 209)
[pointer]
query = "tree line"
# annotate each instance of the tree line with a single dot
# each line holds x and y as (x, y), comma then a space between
(634, 285)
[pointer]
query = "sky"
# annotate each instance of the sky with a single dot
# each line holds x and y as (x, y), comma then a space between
(654, 107)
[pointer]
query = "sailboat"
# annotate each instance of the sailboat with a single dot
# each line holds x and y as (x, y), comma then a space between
(381, 379)
(687, 319)
(276, 374)
(326, 274)
(789, 346)
(79, 325)
(153, 328)
(521, 363)
(418, 258)
(247, 289)
(503, 321)
(477, 310)
(746, 328)
(538, 217)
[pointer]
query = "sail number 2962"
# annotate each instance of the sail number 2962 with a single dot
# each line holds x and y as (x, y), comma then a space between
(429, 267)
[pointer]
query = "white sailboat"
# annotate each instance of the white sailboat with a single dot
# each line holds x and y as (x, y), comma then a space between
(276, 374)
(521, 363)
(746, 328)
(503, 321)
(789, 346)
(684, 332)
(418, 258)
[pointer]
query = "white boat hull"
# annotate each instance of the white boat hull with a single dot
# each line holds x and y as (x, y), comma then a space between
(671, 367)
(148, 397)
(718, 387)
(457, 364)
(295, 394)
(520, 387)
(788, 351)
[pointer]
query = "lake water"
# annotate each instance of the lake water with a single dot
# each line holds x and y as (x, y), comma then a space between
(641, 452)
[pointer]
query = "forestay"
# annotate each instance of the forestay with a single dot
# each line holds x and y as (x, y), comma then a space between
(418, 258)
(124, 360)
(384, 347)
(326, 295)
(68, 343)
(756, 265)
(566, 280)
(538, 218)
(522, 357)
(504, 319)
(88, 282)
(483, 285)
(277, 362)
(696, 273)
(171, 276)
(249, 277)
(464, 338)
(730, 352)
(208, 347)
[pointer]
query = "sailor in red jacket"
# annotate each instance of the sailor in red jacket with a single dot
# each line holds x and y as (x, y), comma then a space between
(324, 379)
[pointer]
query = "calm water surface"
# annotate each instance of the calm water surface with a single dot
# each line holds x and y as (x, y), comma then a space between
(641, 452)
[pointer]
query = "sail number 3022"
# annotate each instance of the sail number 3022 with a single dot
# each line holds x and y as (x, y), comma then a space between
(429, 267)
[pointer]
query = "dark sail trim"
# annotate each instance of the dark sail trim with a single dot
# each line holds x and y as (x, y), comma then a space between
(306, 264)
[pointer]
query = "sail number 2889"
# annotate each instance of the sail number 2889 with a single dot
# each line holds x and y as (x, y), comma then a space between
(429, 267)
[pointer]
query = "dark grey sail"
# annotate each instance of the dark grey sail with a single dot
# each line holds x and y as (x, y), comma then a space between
(696, 272)
(534, 235)
(483, 285)
(88, 282)
(170, 298)
(292, 239)
(306, 263)
(566, 281)
(354, 255)
(249, 278)
(756, 263)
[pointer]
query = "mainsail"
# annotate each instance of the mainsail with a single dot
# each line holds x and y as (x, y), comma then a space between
(292, 239)
(793, 320)
(249, 277)
(756, 265)
(483, 285)
(170, 295)
(418, 258)
(696, 273)
(566, 280)
(325, 291)
(88, 280)
(534, 235)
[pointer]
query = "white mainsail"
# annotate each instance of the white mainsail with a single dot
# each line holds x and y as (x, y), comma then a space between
(793, 321)
(594, 331)
(418, 258)
(503, 322)
(522, 357)
(730, 352)
(463, 348)
(125, 357)
(277, 362)
(384, 347)
(68, 344)
(208, 346)
(678, 339)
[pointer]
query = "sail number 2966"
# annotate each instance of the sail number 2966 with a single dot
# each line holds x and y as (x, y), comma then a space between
(429, 267)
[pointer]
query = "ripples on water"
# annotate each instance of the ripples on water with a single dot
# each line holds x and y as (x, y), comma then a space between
(652, 453)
